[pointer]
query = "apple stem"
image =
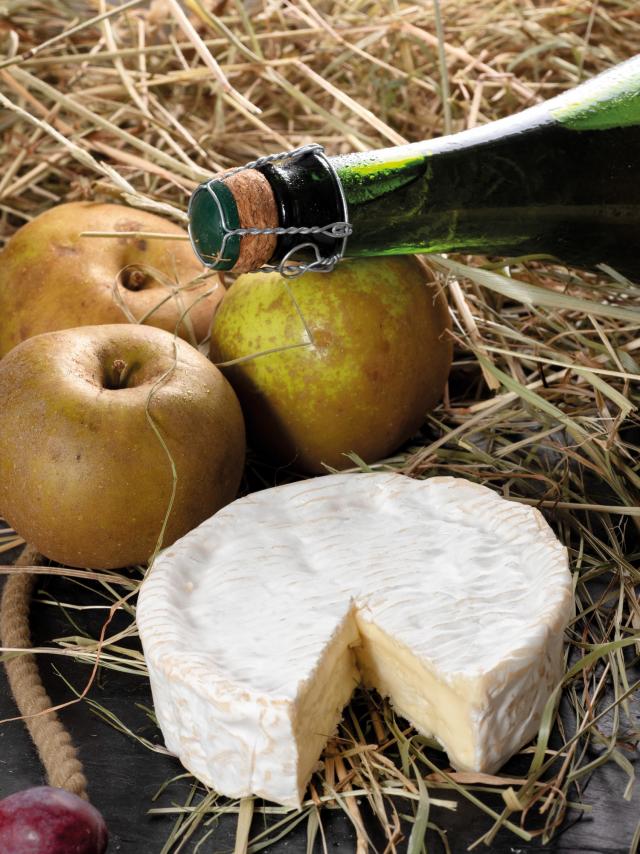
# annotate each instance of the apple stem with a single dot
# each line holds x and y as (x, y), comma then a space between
(119, 368)
(133, 280)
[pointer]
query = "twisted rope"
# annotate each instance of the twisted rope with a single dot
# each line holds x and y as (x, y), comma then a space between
(53, 742)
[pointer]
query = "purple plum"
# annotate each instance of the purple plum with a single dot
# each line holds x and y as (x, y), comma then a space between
(44, 820)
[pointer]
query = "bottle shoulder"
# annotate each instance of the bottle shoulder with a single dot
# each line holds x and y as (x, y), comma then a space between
(608, 100)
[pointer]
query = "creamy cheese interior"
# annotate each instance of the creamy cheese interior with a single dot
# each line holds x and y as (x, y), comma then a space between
(322, 698)
(418, 694)
(360, 652)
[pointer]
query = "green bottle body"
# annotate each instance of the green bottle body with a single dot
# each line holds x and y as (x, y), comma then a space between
(547, 190)
(561, 178)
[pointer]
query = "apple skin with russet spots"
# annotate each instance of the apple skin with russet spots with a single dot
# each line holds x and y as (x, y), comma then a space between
(84, 478)
(52, 277)
(46, 820)
(332, 363)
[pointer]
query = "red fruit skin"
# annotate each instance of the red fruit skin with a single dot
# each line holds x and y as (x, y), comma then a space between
(44, 820)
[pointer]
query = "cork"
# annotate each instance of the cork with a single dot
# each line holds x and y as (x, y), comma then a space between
(256, 209)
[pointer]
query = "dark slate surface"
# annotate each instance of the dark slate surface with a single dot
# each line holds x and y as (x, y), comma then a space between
(124, 775)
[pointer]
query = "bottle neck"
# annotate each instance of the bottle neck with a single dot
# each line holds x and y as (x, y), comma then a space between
(309, 200)
(509, 189)
(561, 178)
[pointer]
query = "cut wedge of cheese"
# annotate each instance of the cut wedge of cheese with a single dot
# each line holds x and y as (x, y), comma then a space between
(258, 625)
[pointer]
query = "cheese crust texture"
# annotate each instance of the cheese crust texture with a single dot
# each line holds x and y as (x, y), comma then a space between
(258, 625)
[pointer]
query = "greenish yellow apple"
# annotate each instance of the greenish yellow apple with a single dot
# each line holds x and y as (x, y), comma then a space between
(52, 278)
(83, 475)
(334, 362)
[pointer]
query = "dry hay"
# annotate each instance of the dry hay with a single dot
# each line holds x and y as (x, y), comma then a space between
(107, 103)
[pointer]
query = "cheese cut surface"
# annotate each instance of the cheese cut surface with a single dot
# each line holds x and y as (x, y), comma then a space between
(258, 625)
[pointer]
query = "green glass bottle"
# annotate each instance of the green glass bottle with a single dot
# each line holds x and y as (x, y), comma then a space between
(561, 178)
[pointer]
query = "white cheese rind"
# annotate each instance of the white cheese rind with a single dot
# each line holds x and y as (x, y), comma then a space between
(462, 591)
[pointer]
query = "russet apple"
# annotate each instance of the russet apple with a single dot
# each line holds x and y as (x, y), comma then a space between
(52, 278)
(377, 362)
(83, 475)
